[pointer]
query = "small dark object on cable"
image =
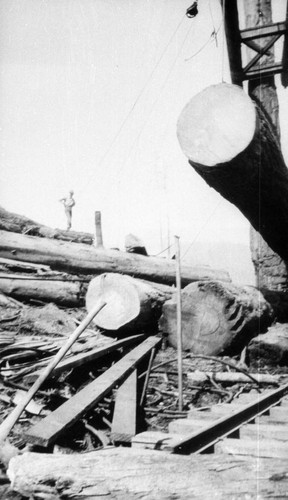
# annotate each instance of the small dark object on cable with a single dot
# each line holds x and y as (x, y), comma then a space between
(193, 10)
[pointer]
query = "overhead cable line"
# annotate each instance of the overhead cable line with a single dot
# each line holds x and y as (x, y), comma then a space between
(137, 99)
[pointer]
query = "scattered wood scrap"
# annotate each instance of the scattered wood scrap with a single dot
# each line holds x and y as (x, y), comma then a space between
(47, 431)
(197, 378)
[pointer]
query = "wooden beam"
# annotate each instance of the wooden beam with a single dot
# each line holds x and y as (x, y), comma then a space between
(47, 431)
(124, 424)
(263, 50)
(86, 357)
(266, 71)
(232, 33)
(262, 31)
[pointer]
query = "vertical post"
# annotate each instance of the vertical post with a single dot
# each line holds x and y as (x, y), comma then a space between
(98, 242)
(179, 324)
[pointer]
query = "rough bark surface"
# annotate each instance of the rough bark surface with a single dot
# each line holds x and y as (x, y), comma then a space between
(122, 473)
(256, 179)
(20, 224)
(85, 259)
(271, 346)
(217, 317)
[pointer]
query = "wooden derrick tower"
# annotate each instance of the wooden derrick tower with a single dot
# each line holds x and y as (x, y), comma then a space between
(259, 35)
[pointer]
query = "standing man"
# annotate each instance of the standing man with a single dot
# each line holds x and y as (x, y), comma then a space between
(68, 203)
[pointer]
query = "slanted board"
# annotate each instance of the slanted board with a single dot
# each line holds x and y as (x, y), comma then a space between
(86, 357)
(46, 431)
(124, 424)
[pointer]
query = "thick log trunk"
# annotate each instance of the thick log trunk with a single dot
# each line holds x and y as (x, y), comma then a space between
(133, 474)
(130, 303)
(19, 224)
(69, 293)
(232, 146)
(217, 317)
(84, 259)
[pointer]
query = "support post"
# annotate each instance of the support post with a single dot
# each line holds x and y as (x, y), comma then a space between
(179, 324)
(98, 230)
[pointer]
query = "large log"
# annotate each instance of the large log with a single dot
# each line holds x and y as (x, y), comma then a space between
(134, 474)
(231, 145)
(130, 303)
(65, 292)
(217, 317)
(86, 259)
(20, 224)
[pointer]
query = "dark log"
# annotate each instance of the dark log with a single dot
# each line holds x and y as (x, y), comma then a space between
(272, 346)
(217, 317)
(131, 304)
(232, 146)
(86, 259)
(134, 474)
(20, 224)
(69, 293)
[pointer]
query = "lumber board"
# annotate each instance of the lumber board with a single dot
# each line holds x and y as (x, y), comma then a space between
(133, 474)
(269, 448)
(47, 431)
(124, 423)
(82, 358)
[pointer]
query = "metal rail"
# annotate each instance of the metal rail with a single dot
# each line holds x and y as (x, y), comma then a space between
(206, 438)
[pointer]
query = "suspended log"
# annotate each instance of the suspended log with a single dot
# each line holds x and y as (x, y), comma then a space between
(231, 145)
(20, 224)
(86, 259)
(131, 304)
(69, 293)
(217, 317)
(134, 474)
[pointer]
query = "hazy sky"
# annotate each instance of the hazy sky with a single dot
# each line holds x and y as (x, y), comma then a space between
(91, 91)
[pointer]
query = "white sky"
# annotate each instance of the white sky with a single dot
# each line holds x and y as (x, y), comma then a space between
(71, 72)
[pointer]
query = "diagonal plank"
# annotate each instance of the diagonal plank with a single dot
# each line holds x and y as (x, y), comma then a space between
(124, 424)
(46, 431)
(80, 359)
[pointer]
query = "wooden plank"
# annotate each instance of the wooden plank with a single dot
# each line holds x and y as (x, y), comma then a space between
(124, 424)
(46, 431)
(86, 357)
(261, 431)
(267, 448)
(152, 440)
(262, 31)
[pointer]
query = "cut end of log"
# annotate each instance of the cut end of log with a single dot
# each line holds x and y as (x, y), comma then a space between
(216, 125)
(121, 297)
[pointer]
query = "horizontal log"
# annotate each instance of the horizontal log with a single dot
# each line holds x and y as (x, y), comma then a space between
(271, 346)
(84, 259)
(20, 224)
(146, 474)
(69, 293)
(231, 145)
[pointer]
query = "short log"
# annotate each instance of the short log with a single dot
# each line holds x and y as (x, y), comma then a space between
(217, 317)
(271, 346)
(130, 303)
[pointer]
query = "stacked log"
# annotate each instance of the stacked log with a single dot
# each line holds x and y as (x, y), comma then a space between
(217, 318)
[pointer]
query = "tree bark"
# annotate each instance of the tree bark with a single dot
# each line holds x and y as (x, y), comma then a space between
(68, 293)
(232, 146)
(131, 474)
(20, 224)
(84, 259)
(217, 317)
(130, 303)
